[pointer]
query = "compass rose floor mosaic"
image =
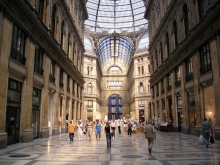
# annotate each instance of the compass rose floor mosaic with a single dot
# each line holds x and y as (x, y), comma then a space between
(169, 149)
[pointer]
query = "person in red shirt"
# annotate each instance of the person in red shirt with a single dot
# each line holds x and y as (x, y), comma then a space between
(71, 130)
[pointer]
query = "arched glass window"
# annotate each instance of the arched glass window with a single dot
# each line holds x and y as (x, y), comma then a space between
(141, 88)
(89, 88)
(185, 18)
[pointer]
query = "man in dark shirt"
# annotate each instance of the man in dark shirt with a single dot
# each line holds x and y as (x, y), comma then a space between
(129, 128)
(206, 127)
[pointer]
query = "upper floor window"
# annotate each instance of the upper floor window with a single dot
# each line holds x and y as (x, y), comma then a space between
(185, 19)
(68, 83)
(175, 34)
(168, 82)
(52, 71)
(141, 103)
(177, 77)
(89, 88)
(142, 69)
(53, 21)
(162, 86)
(38, 62)
(90, 104)
(167, 44)
(36, 97)
(141, 88)
(138, 60)
(189, 69)
(201, 7)
(205, 58)
(40, 8)
(62, 35)
(161, 53)
(61, 78)
(18, 45)
(142, 59)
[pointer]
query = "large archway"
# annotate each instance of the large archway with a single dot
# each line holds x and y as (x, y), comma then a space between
(114, 107)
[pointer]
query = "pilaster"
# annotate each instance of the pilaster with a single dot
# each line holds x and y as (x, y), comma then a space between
(63, 120)
(26, 131)
(5, 47)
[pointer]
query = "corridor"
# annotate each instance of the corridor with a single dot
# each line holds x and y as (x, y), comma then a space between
(168, 149)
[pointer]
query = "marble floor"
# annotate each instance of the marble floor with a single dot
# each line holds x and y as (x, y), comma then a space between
(168, 149)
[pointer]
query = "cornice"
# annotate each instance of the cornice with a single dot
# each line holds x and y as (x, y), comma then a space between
(45, 41)
(71, 22)
(183, 47)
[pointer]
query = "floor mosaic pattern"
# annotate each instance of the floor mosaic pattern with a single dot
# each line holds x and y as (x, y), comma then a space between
(169, 149)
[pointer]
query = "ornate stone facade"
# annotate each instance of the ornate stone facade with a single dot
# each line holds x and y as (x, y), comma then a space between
(184, 52)
(41, 63)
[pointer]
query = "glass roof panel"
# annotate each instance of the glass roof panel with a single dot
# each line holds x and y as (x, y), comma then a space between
(115, 15)
(114, 48)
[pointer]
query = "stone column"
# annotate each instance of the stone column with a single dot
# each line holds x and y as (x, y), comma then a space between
(6, 29)
(44, 130)
(184, 127)
(215, 54)
(56, 106)
(26, 131)
(63, 117)
(197, 92)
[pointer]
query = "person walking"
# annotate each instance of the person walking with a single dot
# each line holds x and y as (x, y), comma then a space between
(71, 130)
(89, 128)
(108, 134)
(98, 130)
(149, 131)
(129, 128)
(80, 130)
(206, 128)
(119, 126)
(113, 128)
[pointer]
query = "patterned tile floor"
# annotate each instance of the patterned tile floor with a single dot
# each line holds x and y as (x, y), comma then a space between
(168, 149)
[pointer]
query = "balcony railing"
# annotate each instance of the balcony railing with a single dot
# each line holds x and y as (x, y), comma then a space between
(205, 68)
(51, 78)
(169, 87)
(38, 69)
(189, 77)
(89, 106)
(18, 56)
(177, 83)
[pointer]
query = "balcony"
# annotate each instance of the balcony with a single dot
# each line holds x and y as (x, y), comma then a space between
(169, 87)
(51, 78)
(205, 68)
(16, 55)
(38, 70)
(177, 83)
(89, 106)
(189, 77)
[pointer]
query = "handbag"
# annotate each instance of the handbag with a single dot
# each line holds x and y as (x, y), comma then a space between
(212, 140)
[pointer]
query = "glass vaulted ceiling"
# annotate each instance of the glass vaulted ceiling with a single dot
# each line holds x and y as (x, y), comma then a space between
(115, 15)
(115, 48)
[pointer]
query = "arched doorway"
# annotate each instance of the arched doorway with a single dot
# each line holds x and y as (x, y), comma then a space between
(114, 107)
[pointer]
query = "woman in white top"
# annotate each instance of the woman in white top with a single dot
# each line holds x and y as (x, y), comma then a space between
(80, 130)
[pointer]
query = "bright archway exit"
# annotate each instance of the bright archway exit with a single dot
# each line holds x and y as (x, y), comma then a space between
(114, 107)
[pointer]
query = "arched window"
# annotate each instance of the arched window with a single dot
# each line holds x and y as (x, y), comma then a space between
(62, 35)
(53, 21)
(168, 44)
(185, 18)
(175, 34)
(141, 88)
(89, 88)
